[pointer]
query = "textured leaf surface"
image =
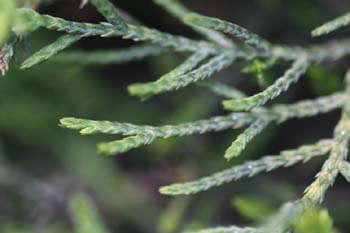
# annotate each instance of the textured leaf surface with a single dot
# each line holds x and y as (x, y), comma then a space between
(282, 84)
(285, 159)
(344, 168)
(279, 113)
(7, 18)
(244, 138)
(49, 51)
(315, 193)
(169, 81)
(180, 11)
(227, 27)
(107, 9)
(110, 56)
(329, 27)
(124, 145)
(32, 20)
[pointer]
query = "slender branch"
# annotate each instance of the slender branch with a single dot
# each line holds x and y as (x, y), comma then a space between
(109, 56)
(244, 138)
(180, 11)
(315, 193)
(282, 84)
(341, 21)
(248, 169)
(227, 27)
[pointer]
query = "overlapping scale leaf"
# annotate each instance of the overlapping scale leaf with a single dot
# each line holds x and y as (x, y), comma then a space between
(333, 25)
(282, 84)
(104, 6)
(177, 43)
(124, 145)
(344, 168)
(173, 81)
(285, 159)
(47, 52)
(110, 56)
(230, 28)
(107, 9)
(168, 81)
(301, 109)
(180, 11)
(308, 108)
(315, 193)
(32, 20)
(244, 138)
(218, 123)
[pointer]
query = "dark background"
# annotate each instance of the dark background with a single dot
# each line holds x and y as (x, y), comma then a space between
(42, 165)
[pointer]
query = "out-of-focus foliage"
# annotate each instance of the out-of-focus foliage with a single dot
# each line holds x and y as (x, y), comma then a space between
(85, 216)
(254, 208)
(314, 220)
(324, 82)
(68, 86)
(7, 18)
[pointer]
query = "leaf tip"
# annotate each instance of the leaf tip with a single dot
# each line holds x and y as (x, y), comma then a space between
(169, 190)
(139, 90)
(68, 122)
(105, 148)
(194, 18)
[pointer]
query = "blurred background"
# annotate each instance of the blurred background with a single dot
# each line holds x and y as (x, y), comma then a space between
(43, 167)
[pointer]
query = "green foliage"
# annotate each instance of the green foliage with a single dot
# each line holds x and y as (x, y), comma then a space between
(315, 193)
(124, 145)
(329, 27)
(314, 220)
(324, 82)
(282, 84)
(50, 50)
(344, 168)
(108, 57)
(254, 208)
(180, 11)
(107, 9)
(145, 134)
(261, 70)
(230, 28)
(86, 219)
(7, 18)
(243, 139)
(248, 169)
(177, 78)
(207, 57)
(172, 216)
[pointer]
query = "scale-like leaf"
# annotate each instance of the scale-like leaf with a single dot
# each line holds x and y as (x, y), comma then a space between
(285, 159)
(230, 28)
(169, 81)
(244, 138)
(333, 25)
(49, 51)
(282, 84)
(109, 56)
(315, 193)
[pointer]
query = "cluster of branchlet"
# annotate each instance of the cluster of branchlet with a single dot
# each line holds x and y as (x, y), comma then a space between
(207, 56)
